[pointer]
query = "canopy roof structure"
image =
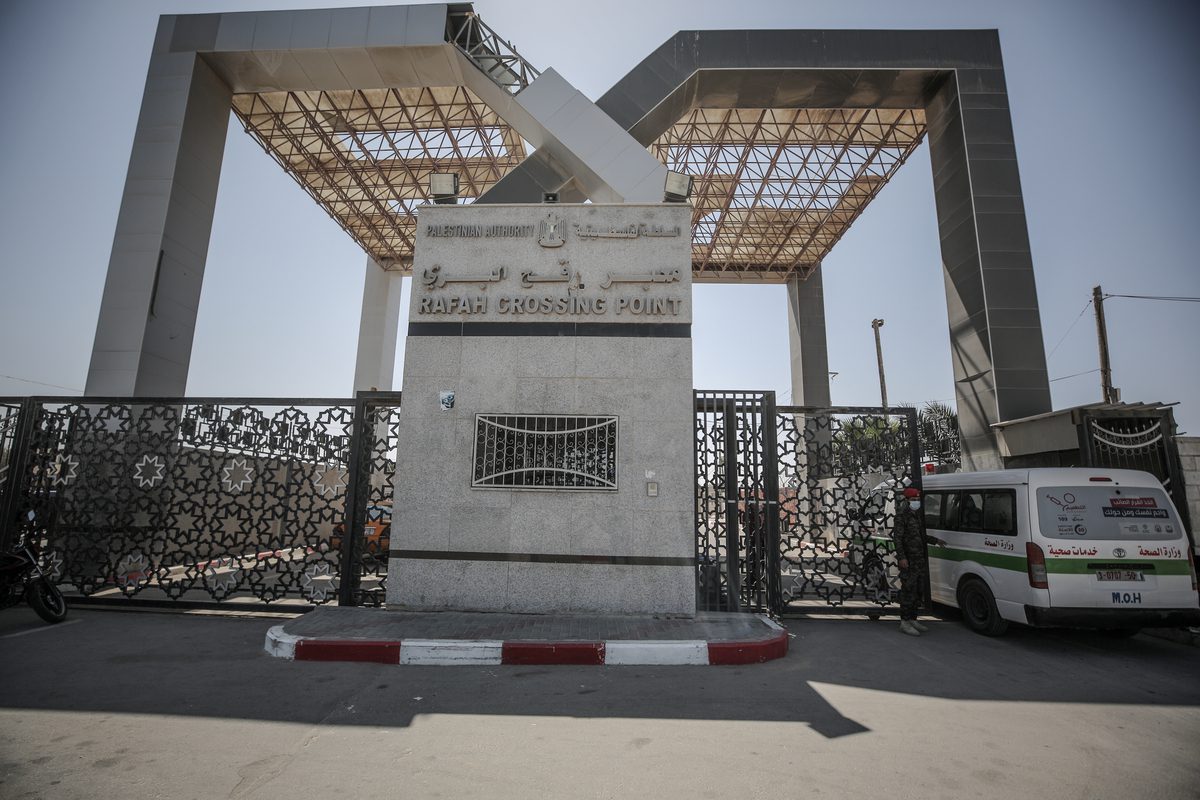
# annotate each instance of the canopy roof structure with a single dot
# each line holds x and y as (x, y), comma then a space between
(365, 155)
(774, 188)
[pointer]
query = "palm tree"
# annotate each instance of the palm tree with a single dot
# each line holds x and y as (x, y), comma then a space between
(938, 425)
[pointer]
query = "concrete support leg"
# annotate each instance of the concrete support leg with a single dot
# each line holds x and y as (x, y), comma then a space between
(143, 342)
(377, 330)
(806, 335)
(991, 299)
(577, 144)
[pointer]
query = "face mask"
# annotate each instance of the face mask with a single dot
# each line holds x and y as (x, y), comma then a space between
(915, 505)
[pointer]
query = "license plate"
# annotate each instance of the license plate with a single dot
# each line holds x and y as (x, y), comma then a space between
(1120, 575)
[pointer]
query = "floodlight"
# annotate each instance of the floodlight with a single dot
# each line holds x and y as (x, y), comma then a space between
(678, 187)
(443, 188)
(549, 197)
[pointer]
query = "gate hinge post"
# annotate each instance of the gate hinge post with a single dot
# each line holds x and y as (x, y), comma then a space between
(18, 466)
(355, 509)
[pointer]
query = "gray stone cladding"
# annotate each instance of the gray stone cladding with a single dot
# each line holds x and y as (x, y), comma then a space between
(496, 271)
(1189, 459)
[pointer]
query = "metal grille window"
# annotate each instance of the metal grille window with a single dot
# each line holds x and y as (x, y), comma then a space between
(545, 452)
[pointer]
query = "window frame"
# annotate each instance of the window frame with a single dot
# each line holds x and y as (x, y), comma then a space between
(1014, 528)
(941, 495)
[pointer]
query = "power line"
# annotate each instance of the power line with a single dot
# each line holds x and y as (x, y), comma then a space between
(1076, 375)
(1156, 297)
(1068, 333)
(41, 383)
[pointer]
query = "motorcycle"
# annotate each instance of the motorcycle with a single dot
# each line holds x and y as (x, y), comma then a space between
(21, 576)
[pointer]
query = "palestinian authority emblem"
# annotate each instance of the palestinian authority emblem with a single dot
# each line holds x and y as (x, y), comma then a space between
(550, 233)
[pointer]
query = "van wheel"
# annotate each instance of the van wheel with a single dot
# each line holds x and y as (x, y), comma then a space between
(978, 607)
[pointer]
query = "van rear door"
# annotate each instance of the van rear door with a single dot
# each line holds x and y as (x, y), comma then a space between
(1113, 546)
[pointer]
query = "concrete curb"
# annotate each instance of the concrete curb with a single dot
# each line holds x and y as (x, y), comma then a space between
(464, 652)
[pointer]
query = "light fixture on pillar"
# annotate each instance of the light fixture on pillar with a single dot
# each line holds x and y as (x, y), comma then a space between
(443, 188)
(678, 187)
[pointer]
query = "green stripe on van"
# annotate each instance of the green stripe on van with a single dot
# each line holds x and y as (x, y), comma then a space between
(997, 560)
(1079, 566)
(1056, 566)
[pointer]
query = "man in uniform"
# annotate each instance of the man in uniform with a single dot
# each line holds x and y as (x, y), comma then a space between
(909, 537)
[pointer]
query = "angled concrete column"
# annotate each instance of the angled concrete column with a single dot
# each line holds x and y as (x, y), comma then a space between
(148, 312)
(578, 141)
(377, 328)
(991, 300)
(806, 338)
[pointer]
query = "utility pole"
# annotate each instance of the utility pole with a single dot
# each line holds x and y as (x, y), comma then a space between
(876, 324)
(1110, 394)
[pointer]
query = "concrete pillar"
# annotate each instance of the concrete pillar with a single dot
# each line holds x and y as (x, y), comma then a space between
(377, 329)
(143, 342)
(807, 342)
(991, 300)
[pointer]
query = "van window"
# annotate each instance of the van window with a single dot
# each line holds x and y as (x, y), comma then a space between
(1106, 512)
(1000, 512)
(970, 512)
(981, 511)
(932, 506)
(950, 513)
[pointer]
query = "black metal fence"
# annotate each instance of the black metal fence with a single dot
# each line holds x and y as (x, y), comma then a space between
(192, 501)
(794, 506)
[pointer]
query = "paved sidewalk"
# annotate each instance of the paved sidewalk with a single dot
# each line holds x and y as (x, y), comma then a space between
(187, 707)
(332, 633)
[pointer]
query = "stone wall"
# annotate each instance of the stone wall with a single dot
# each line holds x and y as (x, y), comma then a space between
(506, 314)
(1189, 458)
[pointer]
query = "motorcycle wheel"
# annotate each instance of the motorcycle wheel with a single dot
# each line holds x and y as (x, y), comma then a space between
(45, 598)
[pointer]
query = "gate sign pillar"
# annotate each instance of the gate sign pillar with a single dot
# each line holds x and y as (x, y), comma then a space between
(545, 442)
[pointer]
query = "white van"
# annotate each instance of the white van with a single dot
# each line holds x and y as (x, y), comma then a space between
(1089, 548)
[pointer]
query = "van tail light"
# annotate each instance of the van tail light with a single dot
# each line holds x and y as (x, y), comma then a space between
(1036, 561)
(1192, 567)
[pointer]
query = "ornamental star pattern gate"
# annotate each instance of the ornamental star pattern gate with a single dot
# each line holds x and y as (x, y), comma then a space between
(191, 502)
(794, 506)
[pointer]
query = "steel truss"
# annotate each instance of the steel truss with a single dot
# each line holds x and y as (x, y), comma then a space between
(776, 188)
(365, 155)
(498, 59)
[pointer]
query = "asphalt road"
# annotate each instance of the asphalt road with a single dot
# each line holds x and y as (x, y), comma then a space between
(141, 705)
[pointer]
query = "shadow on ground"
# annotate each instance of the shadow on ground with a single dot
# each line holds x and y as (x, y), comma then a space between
(214, 666)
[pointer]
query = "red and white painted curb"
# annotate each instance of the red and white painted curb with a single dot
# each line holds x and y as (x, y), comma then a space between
(474, 652)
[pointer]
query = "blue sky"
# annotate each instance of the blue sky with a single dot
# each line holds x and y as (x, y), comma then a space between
(1105, 112)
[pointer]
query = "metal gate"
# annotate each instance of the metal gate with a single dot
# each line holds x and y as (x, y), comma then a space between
(1141, 439)
(187, 501)
(794, 505)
